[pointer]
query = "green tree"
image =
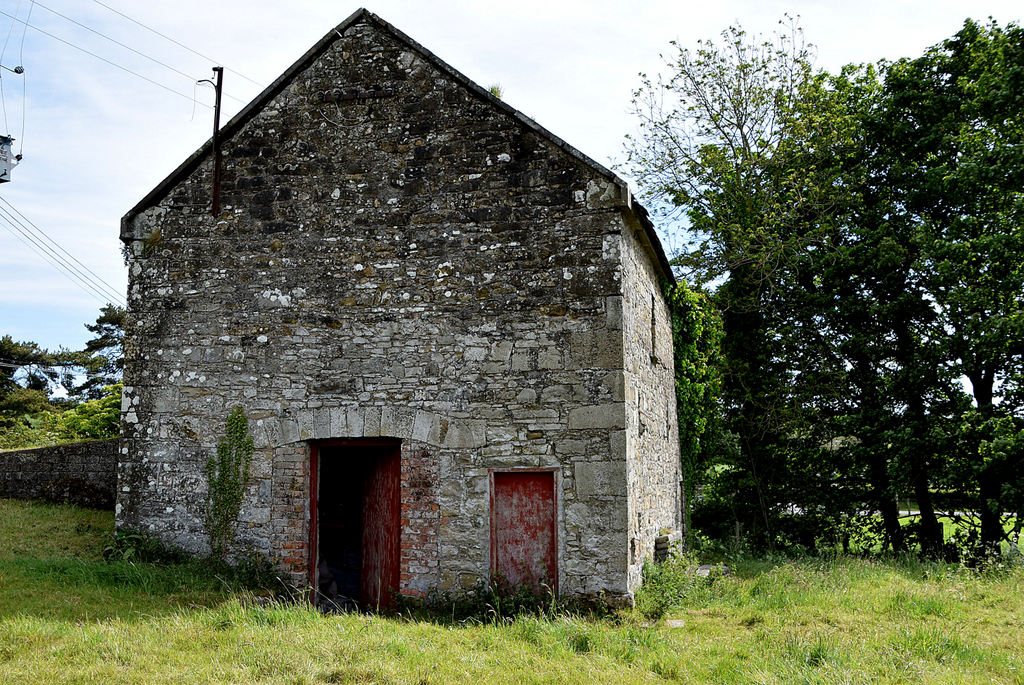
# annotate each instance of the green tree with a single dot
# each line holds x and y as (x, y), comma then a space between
(22, 401)
(28, 419)
(877, 386)
(94, 419)
(101, 360)
(957, 115)
(25, 358)
(696, 338)
(864, 233)
(722, 144)
(31, 417)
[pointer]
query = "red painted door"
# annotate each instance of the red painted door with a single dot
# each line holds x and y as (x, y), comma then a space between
(523, 547)
(381, 532)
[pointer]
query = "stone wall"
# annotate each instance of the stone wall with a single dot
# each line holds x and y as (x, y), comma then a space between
(652, 429)
(407, 260)
(84, 473)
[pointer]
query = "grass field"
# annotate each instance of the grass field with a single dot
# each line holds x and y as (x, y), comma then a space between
(950, 529)
(68, 616)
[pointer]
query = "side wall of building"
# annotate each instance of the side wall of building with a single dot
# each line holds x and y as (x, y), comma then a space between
(394, 257)
(652, 429)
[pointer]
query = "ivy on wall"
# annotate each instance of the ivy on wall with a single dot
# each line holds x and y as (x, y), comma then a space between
(227, 475)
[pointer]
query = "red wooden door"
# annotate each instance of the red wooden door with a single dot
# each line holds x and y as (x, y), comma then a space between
(381, 532)
(523, 549)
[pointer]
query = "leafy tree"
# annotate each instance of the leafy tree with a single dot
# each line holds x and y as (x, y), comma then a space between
(696, 338)
(26, 364)
(957, 117)
(30, 417)
(862, 234)
(102, 358)
(39, 423)
(722, 143)
(94, 419)
(27, 357)
(862, 330)
(921, 281)
(21, 401)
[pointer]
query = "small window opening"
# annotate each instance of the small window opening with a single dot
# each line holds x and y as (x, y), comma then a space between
(654, 331)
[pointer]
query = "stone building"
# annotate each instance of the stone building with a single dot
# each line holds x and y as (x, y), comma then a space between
(444, 324)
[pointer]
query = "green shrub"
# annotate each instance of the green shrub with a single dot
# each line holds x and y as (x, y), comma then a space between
(92, 420)
(24, 401)
(670, 584)
(485, 602)
(499, 601)
(139, 546)
(253, 572)
(22, 435)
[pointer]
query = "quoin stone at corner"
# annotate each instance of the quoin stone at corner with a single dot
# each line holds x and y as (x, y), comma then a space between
(445, 325)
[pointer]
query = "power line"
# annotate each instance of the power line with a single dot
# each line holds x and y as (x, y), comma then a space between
(3, 101)
(10, 31)
(55, 365)
(64, 273)
(15, 365)
(126, 47)
(97, 279)
(24, 107)
(82, 283)
(3, 53)
(180, 45)
(41, 249)
(24, 78)
(24, 29)
(48, 253)
(104, 59)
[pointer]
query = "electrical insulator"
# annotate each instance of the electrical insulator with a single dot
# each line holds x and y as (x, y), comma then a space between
(7, 160)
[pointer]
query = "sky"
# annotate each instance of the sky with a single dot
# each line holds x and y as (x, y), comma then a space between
(96, 138)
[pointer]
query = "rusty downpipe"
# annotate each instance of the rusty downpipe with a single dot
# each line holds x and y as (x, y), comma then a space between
(216, 141)
(217, 86)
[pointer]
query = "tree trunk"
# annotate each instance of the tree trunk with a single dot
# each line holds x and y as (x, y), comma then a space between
(882, 494)
(885, 501)
(931, 535)
(913, 380)
(990, 513)
(747, 387)
(989, 479)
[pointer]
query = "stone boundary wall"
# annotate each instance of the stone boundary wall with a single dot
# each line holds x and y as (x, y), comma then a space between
(83, 473)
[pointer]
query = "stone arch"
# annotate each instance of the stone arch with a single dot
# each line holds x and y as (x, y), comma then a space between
(326, 423)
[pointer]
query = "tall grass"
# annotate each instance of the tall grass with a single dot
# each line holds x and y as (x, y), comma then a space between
(66, 615)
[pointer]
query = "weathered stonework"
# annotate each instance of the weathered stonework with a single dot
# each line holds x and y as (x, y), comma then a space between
(652, 432)
(83, 473)
(399, 254)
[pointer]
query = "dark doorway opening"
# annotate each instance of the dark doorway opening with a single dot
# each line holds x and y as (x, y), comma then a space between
(357, 526)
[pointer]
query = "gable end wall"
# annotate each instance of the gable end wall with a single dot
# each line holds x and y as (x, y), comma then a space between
(395, 257)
